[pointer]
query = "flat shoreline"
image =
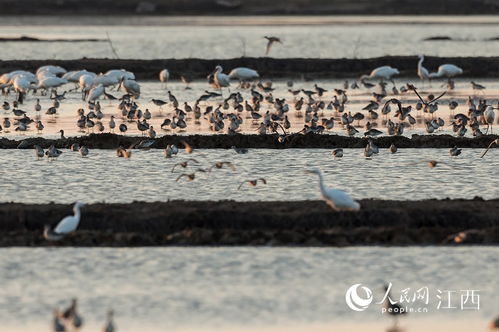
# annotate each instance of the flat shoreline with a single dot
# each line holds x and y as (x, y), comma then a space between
(224, 141)
(269, 68)
(301, 223)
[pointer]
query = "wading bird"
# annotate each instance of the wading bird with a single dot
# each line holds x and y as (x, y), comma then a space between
(335, 198)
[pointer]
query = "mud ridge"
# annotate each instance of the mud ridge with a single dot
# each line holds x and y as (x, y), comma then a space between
(302, 223)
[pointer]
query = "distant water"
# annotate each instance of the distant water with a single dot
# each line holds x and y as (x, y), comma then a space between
(240, 289)
(232, 37)
(147, 175)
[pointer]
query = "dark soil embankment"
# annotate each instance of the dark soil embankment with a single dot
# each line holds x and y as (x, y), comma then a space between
(267, 67)
(303, 223)
(112, 141)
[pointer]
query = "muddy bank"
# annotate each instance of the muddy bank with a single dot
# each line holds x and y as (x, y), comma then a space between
(294, 68)
(254, 7)
(222, 141)
(303, 223)
(35, 39)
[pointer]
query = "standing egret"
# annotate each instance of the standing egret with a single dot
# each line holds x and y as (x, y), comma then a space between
(335, 198)
(220, 80)
(449, 71)
(164, 76)
(70, 223)
(423, 73)
(243, 74)
(382, 73)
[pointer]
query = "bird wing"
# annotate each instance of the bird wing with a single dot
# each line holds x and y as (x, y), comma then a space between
(269, 46)
(341, 199)
(67, 225)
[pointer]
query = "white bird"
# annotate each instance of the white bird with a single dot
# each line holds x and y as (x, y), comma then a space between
(423, 73)
(382, 73)
(50, 69)
(51, 82)
(131, 87)
(335, 198)
(447, 70)
(69, 224)
(220, 79)
(95, 93)
(120, 74)
(164, 76)
(489, 116)
(243, 74)
(106, 80)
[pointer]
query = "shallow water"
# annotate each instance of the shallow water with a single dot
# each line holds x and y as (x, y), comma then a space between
(357, 99)
(207, 289)
(147, 175)
(232, 37)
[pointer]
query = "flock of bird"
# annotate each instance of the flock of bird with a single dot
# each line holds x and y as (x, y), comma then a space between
(265, 113)
(71, 320)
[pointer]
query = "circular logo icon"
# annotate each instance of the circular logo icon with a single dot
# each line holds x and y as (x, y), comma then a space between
(355, 301)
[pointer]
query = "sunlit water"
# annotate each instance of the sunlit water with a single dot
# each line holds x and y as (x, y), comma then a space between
(208, 289)
(232, 37)
(66, 118)
(147, 175)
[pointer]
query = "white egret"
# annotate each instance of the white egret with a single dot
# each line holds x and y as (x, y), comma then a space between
(423, 73)
(243, 74)
(95, 93)
(448, 71)
(335, 198)
(164, 76)
(220, 79)
(131, 87)
(382, 73)
(69, 224)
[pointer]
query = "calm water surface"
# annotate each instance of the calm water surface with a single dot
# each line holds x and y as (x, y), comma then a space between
(232, 37)
(208, 289)
(147, 175)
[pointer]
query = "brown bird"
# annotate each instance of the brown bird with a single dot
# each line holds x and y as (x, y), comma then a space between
(187, 147)
(494, 325)
(271, 41)
(190, 176)
(184, 164)
(121, 152)
(252, 183)
(220, 164)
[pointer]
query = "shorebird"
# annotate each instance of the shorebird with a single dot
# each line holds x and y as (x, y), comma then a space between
(252, 183)
(52, 152)
(170, 150)
(454, 152)
(220, 164)
(337, 153)
(109, 326)
(239, 150)
(191, 176)
(83, 151)
(271, 41)
(57, 324)
(392, 148)
(335, 198)
(121, 152)
(39, 153)
(187, 147)
(184, 164)
(394, 309)
(494, 142)
(71, 315)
